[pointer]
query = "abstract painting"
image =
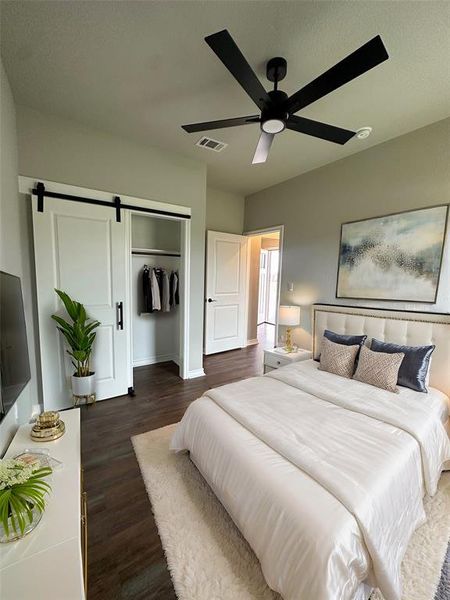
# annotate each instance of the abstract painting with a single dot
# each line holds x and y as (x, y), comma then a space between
(396, 257)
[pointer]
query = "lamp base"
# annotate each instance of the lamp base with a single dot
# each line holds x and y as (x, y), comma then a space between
(288, 347)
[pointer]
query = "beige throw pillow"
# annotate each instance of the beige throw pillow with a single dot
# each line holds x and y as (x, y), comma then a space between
(337, 358)
(379, 368)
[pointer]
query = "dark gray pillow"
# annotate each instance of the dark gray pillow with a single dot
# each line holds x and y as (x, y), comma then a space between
(414, 368)
(347, 340)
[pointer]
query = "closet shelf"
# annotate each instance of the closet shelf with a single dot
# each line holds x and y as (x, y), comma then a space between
(155, 252)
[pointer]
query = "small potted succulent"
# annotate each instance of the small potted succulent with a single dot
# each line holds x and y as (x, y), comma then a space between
(22, 497)
(80, 335)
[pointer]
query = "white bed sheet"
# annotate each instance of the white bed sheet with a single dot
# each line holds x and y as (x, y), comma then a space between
(437, 402)
(308, 543)
(280, 510)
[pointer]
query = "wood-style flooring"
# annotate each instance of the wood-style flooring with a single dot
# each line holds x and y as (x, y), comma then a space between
(125, 557)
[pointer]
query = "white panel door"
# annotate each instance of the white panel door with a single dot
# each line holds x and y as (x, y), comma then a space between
(80, 249)
(226, 292)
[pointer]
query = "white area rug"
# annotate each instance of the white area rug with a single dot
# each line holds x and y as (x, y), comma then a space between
(210, 560)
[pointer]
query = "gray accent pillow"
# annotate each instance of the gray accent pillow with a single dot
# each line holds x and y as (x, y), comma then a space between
(414, 368)
(338, 358)
(379, 369)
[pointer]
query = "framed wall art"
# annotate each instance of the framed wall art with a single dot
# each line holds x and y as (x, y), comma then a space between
(395, 257)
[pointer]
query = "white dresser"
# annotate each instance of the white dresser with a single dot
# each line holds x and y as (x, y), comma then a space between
(278, 357)
(47, 564)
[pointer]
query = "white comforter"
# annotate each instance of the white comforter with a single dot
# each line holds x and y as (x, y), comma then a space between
(323, 475)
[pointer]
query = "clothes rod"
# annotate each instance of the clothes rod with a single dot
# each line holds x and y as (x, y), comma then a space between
(41, 192)
(143, 252)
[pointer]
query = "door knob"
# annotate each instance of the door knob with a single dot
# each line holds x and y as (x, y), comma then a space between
(211, 300)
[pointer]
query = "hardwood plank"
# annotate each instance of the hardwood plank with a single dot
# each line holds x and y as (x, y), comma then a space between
(125, 557)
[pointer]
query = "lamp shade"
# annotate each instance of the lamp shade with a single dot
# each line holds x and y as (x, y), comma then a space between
(289, 315)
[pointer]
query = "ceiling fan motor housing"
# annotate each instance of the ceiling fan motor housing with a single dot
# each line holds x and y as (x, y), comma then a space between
(275, 111)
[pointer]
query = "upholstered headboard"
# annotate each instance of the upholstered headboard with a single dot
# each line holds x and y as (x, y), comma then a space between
(399, 327)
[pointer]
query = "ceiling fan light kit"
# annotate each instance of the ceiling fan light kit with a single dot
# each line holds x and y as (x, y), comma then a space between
(277, 109)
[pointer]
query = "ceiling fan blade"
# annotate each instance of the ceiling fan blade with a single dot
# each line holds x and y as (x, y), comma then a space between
(319, 130)
(226, 49)
(365, 58)
(263, 147)
(221, 124)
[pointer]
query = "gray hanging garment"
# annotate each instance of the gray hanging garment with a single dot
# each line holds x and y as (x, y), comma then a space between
(165, 301)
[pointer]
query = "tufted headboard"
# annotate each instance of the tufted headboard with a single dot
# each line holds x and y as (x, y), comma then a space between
(398, 327)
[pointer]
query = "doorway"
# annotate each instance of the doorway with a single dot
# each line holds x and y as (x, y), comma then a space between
(265, 249)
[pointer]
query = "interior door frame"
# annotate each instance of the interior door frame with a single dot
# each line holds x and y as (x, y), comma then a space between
(185, 245)
(268, 277)
(280, 229)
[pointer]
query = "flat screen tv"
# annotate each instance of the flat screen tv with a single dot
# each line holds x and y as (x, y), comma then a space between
(14, 361)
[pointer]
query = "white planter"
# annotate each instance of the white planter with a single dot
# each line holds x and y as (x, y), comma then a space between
(83, 386)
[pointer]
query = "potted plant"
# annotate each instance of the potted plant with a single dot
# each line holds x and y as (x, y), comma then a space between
(22, 497)
(80, 336)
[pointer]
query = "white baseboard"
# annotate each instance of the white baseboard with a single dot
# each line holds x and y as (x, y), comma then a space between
(196, 373)
(151, 360)
(252, 342)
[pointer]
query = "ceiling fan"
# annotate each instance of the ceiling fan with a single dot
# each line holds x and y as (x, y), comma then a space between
(277, 109)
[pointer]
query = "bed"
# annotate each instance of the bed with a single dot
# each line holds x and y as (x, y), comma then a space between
(325, 476)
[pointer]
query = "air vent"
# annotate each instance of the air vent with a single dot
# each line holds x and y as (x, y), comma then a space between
(210, 144)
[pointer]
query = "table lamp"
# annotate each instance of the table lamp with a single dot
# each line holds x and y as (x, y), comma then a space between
(289, 316)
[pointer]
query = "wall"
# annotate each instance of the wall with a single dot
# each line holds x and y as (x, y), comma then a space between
(224, 211)
(411, 171)
(64, 151)
(151, 232)
(15, 236)
(270, 243)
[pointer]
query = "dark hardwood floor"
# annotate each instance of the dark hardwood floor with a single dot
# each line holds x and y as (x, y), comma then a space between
(125, 557)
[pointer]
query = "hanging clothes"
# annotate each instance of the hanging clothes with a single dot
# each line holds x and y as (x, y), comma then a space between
(174, 294)
(160, 289)
(156, 296)
(172, 291)
(165, 298)
(177, 288)
(147, 305)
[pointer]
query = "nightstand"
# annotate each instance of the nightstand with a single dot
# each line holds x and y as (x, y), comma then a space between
(277, 357)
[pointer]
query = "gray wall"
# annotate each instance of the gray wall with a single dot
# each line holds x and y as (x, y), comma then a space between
(411, 171)
(151, 232)
(15, 236)
(224, 211)
(64, 151)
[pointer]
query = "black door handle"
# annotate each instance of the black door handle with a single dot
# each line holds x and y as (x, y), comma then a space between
(119, 306)
(211, 300)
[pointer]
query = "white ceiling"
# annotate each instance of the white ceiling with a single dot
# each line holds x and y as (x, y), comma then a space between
(141, 69)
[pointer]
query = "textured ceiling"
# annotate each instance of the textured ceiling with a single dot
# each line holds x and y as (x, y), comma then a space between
(141, 69)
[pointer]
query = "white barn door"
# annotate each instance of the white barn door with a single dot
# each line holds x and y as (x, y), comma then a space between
(226, 292)
(81, 249)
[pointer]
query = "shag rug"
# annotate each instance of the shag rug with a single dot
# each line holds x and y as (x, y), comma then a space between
(209, 559)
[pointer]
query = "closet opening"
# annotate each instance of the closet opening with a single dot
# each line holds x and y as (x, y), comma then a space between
(156, 273)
